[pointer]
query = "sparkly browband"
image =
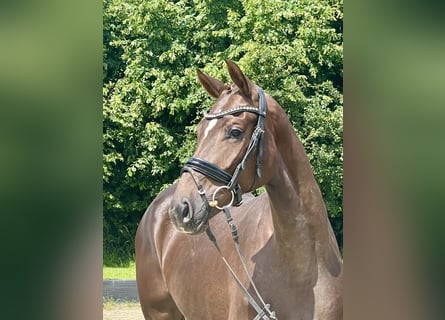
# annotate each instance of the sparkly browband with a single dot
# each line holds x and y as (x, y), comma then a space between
(238, 109)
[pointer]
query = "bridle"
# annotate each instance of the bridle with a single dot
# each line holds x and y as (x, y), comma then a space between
(230, 182)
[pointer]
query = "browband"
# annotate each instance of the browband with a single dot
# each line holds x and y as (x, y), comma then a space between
(237, 109)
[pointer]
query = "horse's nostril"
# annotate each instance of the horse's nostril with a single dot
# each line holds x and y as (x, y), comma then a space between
(186, 213)
(185, 209)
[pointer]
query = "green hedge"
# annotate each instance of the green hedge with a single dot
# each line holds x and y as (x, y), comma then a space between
(152, 99)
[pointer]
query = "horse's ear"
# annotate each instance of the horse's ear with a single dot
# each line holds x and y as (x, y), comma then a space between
(213, 86)
(239, 78)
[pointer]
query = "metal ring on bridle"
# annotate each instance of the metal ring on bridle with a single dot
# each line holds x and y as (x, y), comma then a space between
(216, 202)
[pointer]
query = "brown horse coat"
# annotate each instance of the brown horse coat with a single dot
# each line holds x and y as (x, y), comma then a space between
(285, 233)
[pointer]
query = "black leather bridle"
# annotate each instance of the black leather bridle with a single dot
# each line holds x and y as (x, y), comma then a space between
(219, 175)
(230, 182)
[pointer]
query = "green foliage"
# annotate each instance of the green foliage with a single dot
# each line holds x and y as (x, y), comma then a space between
(152, 100)
(123, 272)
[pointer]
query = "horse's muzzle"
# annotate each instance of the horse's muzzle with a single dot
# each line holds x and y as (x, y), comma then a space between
(186, 218)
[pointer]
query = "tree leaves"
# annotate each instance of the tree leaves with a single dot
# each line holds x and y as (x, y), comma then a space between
(152, 100)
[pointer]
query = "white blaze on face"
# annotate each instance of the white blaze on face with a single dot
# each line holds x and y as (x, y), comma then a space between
(210, 126)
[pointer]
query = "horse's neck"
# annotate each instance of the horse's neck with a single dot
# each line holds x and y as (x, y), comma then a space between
(298, 211)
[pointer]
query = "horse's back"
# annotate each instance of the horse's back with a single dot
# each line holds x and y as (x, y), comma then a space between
(154, 296)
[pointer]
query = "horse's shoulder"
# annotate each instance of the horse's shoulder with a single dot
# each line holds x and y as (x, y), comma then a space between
(254, 211)
(156, 213)
(250, 200)
(160, 203)
(163, 198)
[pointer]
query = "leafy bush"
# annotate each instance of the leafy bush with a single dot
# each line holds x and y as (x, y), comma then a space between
(152, 100)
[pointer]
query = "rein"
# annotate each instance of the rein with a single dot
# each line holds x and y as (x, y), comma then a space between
(261, 312)
(230, 182)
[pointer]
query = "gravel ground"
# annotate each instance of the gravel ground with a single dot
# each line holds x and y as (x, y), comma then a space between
(122, 311)
(121, 300)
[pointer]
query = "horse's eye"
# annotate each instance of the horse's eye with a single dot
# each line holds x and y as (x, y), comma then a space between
(235, 133)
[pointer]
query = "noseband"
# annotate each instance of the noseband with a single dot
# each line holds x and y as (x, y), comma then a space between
(256, 142)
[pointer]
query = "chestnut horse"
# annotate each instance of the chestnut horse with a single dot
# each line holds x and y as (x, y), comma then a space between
(245, 141)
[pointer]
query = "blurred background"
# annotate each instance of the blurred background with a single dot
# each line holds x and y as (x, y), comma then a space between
(55, 68)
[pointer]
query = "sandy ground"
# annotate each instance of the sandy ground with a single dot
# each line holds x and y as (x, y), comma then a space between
(122, 311)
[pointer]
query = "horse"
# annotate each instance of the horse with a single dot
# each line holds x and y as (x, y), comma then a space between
(207, 249)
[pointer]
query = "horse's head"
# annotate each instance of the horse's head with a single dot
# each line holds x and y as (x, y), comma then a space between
(228, 158)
